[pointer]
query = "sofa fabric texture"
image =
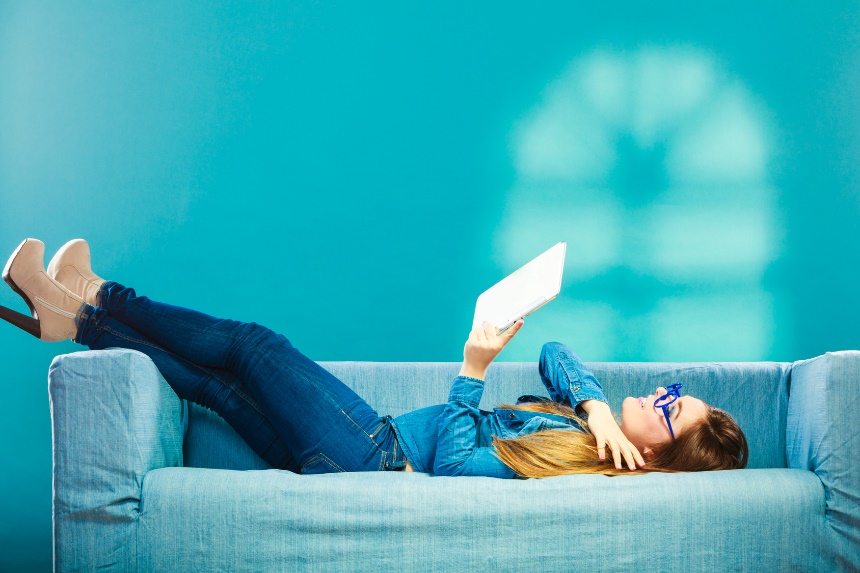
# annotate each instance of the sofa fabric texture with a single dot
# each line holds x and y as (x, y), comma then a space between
(144, 481)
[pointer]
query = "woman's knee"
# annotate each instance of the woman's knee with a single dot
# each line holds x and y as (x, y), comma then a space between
(253, 332)
(259, 337)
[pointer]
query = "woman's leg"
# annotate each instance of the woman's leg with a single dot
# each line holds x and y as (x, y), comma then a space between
(326, 425)
(217, 390)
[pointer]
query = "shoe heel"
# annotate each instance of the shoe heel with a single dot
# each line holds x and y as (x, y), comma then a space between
(22, 321)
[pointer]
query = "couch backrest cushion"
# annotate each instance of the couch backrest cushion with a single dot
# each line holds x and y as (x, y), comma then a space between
(755, 393)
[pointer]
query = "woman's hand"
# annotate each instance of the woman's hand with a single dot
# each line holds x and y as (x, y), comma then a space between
(606, 431)
(483, 346)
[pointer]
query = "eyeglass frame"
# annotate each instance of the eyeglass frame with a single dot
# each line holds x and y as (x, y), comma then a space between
(674, 392)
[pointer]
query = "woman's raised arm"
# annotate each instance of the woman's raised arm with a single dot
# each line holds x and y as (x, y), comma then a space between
(570, 382)
(482, 347)
(456, 453)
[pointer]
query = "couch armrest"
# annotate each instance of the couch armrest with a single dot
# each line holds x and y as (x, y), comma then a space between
(114, 419)
(822, 436)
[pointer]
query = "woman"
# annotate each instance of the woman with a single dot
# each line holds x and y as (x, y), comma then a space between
(299, 417)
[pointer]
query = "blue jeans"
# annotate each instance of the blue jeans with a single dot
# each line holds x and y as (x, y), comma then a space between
(296, 415)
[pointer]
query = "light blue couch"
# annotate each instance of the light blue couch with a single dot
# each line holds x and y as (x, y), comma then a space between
(146, 482)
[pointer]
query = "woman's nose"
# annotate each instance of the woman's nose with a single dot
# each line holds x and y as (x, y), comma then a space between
(659, 391)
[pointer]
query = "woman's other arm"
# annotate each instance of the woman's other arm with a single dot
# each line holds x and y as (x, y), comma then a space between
(605, 429)
(566, 377)
(570, 382)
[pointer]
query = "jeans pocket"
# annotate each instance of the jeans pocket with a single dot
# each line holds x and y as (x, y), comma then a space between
(320, 464)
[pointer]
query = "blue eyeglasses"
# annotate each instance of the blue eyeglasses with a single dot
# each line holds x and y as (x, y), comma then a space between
(673, 392)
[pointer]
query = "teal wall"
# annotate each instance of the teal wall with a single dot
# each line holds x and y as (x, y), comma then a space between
(354, 175)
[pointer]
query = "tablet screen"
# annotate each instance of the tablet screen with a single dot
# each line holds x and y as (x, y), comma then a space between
(523, 291)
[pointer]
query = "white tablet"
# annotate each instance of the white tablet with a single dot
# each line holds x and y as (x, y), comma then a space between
(523, 291)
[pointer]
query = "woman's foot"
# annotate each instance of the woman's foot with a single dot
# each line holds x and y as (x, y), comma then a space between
(71, 268)
(53, 307)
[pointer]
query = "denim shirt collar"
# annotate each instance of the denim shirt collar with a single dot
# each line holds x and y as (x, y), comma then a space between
(522, 422)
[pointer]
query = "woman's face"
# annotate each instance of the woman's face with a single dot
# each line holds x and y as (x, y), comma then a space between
(645, 426)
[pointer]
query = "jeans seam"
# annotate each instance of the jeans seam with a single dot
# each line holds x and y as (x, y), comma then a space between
(239, 393)
(323, 392)
(357, 425)
(376, 430)
(268, 354)
(321, 457)
(265, 451)
(394, 457)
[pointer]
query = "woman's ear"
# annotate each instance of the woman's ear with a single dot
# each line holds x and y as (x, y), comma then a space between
(647, 453)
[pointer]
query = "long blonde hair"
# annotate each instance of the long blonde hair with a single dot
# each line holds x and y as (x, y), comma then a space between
(715, 443)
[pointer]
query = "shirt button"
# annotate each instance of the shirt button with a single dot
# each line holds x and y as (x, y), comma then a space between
(511, 416)
(576, 388)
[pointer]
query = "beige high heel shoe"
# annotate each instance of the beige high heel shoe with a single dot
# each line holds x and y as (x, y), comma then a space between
(71, 267)
(53, 307)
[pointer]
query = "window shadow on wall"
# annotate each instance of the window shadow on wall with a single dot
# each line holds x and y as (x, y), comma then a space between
(652, 165)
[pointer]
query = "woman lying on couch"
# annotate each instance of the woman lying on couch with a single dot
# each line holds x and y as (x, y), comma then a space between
(299, 417)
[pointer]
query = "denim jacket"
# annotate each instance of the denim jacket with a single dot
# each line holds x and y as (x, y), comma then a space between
(455, 439)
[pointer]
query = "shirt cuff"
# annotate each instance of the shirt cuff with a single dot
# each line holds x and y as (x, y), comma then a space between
(581, 412)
